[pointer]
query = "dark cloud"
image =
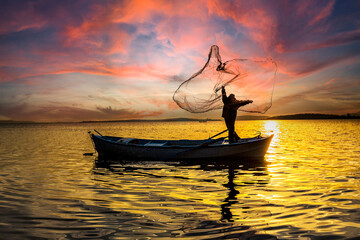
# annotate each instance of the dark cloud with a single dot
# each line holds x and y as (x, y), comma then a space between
(22, 112)
(117, 112)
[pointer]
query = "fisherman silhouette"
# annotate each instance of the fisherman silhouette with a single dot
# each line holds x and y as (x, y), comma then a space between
(231, 105)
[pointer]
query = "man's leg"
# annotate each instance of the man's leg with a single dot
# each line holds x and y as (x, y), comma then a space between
(231, 129)
(237, 138)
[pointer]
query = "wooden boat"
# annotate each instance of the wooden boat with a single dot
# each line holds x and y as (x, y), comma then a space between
(169, 150)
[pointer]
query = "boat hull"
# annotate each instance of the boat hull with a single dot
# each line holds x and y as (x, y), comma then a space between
(108, 146)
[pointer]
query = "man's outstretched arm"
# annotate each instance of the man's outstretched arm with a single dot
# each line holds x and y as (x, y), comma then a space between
(241, 103)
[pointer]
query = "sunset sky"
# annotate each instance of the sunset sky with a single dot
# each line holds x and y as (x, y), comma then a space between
(105, 60)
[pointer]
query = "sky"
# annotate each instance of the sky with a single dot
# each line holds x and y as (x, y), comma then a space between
(110, 60)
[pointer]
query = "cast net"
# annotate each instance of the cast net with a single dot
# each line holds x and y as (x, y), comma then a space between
(248, 79)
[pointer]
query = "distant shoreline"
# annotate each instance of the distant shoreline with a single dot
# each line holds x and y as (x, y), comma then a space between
(312, 116)
(305, 116)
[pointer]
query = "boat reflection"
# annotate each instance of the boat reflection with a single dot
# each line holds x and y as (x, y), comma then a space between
(235, 167)
(240, 173)
(231, 198)
(210, 164)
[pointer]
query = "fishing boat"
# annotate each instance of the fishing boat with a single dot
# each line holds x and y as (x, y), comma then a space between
(168, 150)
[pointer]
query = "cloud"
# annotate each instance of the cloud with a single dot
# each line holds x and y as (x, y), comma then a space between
(162, 103)
(302, 66)
(144, 45)
(22, 112)
(324, 13)
(126, 38)
(335, 40)
(332, 96)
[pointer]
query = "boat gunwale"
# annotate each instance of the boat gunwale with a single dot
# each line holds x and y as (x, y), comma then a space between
(215, 145)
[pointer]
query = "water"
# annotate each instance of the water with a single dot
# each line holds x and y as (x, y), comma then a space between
(307, 186)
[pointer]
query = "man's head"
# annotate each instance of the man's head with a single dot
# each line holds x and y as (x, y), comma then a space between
(232, 97)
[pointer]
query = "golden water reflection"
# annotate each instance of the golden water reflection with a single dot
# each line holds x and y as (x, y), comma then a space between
(307, 186)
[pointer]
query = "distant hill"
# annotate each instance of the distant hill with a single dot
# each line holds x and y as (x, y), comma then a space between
(356, 114)
(314, 116)
(12, 121)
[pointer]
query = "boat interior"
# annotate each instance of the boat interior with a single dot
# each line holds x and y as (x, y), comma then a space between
(158, 143)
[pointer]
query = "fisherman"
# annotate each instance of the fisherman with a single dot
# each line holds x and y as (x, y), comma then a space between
(231, 105)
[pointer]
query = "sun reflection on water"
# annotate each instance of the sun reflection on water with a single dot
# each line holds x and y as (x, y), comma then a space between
(307, 186)
(272, 127)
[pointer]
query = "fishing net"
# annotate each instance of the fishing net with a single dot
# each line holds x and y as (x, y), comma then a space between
(247, 79)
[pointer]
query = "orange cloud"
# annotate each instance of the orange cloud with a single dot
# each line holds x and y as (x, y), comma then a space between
(138, 47)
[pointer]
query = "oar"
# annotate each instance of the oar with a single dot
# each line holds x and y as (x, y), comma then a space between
(98, 132)
(218, 134)
(204, 144)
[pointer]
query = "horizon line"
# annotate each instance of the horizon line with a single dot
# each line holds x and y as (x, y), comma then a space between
(297, 116)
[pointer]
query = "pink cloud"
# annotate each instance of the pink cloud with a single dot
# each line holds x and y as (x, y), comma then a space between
(301, 67)
(335, 40)
(297, 27)
(258, 23)
(330, 82)
(142, 73)
(253, 19)
(98, 33)
(324, 13)
(159, 102)
(19, 21)
(147, 45)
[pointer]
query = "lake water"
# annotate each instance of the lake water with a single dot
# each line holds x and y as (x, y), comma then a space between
(306, 187)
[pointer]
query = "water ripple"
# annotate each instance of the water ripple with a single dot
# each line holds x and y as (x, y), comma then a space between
(307, 187)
